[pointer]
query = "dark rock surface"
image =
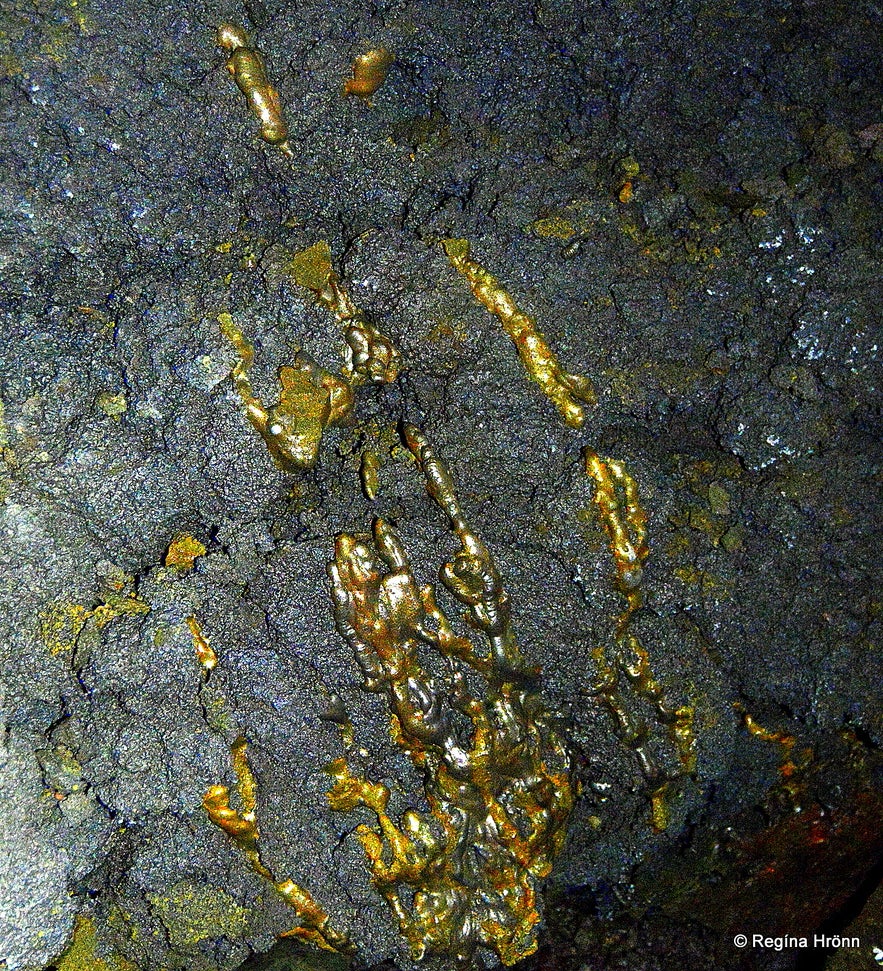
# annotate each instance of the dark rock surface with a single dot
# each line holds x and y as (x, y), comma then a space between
(687, 197)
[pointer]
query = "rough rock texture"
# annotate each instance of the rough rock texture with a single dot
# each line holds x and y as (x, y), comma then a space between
(687, 198)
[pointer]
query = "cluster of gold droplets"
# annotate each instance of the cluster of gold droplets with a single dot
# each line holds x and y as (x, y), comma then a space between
(464, 875)
(625, 522)
(246, 65)
(500, 792)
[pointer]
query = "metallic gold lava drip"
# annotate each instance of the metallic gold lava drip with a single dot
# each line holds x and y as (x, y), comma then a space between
(568, 392)
(499, 791)
(370, 356)
(616, 496)
(625, 522)
(205, 653)
(369, 72)
(310, 400)
(247, 67)
(369, 473)
(242, 828)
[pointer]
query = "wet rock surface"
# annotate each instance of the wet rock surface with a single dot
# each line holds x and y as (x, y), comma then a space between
(687, 201)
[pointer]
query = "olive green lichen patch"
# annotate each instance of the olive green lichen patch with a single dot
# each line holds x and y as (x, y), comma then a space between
(293, 955)
(553, 227)
(113, 405)
(4, 433)
(192, 913)
(63, 625)
(87, 953)
(709, 511)
(565, 222)
(61, 770)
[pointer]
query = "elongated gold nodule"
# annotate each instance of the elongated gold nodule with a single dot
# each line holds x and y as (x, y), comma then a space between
(247, 67)
(241, 826)
(568, 392)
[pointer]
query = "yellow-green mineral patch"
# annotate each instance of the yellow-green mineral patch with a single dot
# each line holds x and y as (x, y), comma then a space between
(553, 227)
(112, 404)
(63, 624)
(192, 913)
(564, 222)
(311, 268)
(183, 552)
(83, 953)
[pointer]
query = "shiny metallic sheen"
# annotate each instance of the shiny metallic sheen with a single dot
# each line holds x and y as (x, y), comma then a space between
(247, 67)
(568, 392)
(465, 873)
